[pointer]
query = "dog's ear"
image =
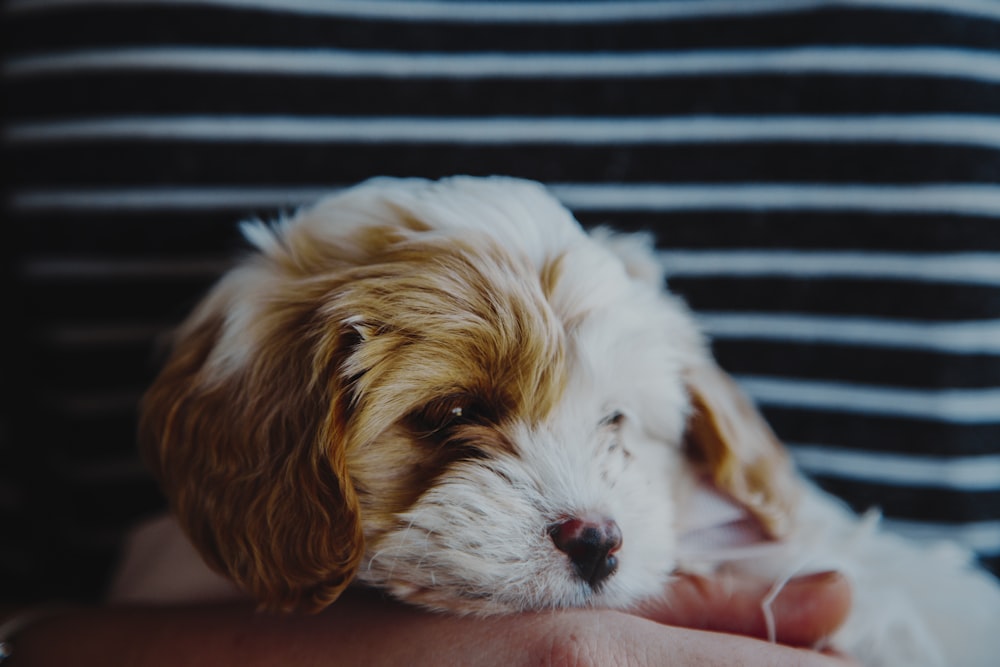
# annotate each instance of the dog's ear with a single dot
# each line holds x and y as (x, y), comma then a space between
(727, 438)
(252, 460)
(636, 251)
(732, 443)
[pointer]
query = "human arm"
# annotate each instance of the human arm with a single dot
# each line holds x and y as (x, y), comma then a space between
(364, 628)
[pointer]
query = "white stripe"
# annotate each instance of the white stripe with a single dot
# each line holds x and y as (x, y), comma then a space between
(971, 473)
(972, 337)
(597, 197)
(982, 537)
(963, 406)
(167, 198)
(977, 337)
(867, 61)
(950, 199)
(965, 267)
(540, 12)
(971, 130)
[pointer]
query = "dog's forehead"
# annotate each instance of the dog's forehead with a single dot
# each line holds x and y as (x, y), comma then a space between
(453, 317)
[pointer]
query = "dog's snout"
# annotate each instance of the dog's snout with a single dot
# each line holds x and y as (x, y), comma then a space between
(591, 544)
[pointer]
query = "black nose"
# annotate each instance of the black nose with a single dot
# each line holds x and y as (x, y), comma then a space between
(591, 544)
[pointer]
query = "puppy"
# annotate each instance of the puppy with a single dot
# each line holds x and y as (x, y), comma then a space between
(450, 391)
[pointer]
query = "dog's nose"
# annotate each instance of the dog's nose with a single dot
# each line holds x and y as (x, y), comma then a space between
(591, 543)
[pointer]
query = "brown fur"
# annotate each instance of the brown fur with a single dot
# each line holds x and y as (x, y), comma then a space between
(359, 357)
(738, 450)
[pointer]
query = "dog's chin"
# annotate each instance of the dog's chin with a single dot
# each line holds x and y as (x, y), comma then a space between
(556, 596)
(557, 590)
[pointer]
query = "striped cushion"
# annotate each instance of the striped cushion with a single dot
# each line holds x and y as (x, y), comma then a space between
(821, 176)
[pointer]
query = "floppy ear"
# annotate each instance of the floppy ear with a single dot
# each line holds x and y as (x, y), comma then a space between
(730, 440)
(726, 436)
(252, 461)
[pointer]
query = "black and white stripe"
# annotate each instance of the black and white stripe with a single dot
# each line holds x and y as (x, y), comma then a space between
(822, 177)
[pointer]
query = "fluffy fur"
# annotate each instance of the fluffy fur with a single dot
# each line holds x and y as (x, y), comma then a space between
(412, 382)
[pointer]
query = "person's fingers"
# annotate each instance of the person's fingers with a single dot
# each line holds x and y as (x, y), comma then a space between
(610, 638)
(811, 608)
(806, 610)
(694, 647)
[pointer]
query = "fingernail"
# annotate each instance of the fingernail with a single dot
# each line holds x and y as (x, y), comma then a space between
(817, 578)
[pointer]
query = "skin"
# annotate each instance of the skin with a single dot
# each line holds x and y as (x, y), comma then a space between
(362, 628)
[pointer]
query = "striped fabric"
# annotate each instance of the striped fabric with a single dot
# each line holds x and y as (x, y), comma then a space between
(822, 178)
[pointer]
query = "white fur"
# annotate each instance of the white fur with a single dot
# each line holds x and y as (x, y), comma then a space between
(478, 539)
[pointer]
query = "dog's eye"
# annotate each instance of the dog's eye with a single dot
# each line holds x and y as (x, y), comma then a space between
(459, 414)
(613, 420)
(442, 414)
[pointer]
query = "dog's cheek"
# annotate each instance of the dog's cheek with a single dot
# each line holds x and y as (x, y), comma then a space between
(389, 475)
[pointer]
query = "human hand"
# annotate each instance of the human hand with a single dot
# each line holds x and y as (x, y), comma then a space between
(805, 612)
(697, 609)
(363, 627)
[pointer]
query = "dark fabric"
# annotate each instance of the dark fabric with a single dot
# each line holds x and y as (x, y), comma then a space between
(822, 179)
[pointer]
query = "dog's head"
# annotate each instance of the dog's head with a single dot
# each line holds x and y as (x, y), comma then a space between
(451, 391)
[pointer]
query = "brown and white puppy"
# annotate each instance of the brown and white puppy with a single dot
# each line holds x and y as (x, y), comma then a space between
(449, 390)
